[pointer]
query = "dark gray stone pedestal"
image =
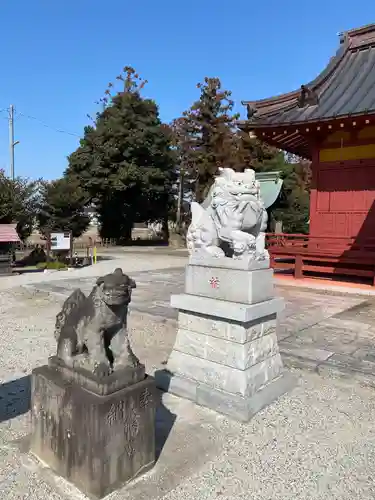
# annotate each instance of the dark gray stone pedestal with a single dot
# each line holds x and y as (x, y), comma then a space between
(96, 435)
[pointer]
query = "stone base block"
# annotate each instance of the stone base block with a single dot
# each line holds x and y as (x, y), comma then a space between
(234, 331)
(246, 263)
(233, 285)
(225, 378)
(226, 352)
(222, 309)
(233, 405)
(98, 442)
(88, 380)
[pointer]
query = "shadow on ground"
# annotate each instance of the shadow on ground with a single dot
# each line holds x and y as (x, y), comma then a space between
(164, 422)
(15, 398)
(142, 243)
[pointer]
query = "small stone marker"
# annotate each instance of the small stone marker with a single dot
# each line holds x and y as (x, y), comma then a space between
(93, 408)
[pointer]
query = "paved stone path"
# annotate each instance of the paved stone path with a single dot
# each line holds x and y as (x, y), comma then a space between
(318, 331)
(151, 296)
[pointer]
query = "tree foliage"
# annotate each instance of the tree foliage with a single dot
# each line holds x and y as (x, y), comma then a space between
(61, 207)
(125, 161)
(250, 152)
(292, 207)
(18, 202)
(204, 136)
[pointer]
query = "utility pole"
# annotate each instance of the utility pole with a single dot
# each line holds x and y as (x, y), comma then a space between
(11, 140)
(180, 200)
(12, 143)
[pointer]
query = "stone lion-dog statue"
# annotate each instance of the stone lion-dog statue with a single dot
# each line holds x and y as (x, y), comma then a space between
(91, 332)
(232, 219)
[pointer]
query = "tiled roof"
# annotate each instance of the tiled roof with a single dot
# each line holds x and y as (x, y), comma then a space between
(8, 233)
(345, 88)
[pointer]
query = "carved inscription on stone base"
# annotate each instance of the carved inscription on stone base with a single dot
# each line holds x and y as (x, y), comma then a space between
(97, 442)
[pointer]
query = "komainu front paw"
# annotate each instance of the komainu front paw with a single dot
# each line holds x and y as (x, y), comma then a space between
(102, 370)
(128, 361)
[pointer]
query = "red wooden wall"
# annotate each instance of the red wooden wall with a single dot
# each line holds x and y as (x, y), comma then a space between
(342, 199)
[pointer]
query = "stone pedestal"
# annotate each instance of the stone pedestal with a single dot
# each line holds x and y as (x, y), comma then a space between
(98, 435)
(226, 354)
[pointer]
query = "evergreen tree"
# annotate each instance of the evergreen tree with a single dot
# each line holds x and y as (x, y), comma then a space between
(204, 136)
(18, 203)
(252, 153)
(62, 207)
(125, 161)
(292, 206)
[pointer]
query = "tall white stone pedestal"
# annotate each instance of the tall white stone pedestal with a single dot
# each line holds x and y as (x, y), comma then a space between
(226, 354)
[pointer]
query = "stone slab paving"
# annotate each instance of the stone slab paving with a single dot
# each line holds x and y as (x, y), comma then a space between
(151, 296)
(319, 331)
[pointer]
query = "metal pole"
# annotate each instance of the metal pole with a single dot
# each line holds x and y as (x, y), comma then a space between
(11, 140)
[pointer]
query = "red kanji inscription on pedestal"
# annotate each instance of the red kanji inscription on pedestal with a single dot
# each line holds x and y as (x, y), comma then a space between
(214, 282)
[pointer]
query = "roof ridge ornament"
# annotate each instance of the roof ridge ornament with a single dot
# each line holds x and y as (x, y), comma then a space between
(343, 36)
(307, 97)
(251, 111)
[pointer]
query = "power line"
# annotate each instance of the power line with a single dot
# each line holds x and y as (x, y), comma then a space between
(61, 131)
(11, 112)
(5, 110)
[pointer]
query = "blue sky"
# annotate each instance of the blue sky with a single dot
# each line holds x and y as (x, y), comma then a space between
(58, 56)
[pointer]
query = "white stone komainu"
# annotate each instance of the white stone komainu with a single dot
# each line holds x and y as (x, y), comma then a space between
(232, 219)
(226, 354)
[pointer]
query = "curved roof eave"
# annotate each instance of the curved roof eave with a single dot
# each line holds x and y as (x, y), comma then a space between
(286, 98)
(359, 38)
(252, 125)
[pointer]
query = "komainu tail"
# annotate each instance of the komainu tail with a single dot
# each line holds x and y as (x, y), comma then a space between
(72, 302)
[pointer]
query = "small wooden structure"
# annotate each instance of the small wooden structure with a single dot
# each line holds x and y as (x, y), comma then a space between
(8, 235)
(330, 121)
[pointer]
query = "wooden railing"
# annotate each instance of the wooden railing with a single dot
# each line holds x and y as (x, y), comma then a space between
(302, 243)
(304, 255)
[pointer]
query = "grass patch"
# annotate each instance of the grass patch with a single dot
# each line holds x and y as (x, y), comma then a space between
(53, 264)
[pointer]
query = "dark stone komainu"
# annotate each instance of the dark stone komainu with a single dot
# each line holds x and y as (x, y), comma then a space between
(93, 407)
(91, 332)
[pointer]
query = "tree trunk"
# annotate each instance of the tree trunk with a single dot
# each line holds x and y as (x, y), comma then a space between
(165, 230)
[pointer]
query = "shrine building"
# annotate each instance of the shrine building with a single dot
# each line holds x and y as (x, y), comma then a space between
(330, 121)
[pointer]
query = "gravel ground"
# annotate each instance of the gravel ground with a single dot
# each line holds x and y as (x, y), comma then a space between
(316, 442)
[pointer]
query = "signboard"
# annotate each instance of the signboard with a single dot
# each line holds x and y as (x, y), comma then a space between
(60, 241)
